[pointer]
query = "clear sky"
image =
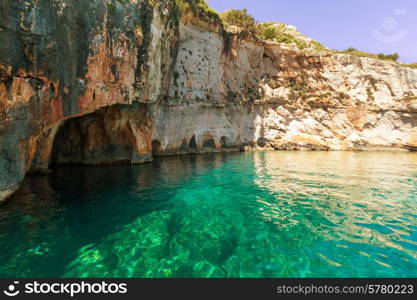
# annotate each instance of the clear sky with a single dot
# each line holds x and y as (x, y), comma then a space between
(375, 26)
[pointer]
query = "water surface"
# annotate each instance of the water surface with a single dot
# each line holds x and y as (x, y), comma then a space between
(276, 214)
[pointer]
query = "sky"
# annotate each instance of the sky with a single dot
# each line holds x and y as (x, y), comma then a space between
(375, 26)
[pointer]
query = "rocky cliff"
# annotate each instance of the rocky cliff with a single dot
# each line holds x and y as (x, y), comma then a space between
(96, 81)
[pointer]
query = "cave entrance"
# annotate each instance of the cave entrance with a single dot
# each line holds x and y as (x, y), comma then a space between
(116, 134)
(192, 145)
(156, 147)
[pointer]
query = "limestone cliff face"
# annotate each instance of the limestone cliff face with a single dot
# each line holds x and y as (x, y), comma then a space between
(64, 59)
(95, 81)
(237, 93)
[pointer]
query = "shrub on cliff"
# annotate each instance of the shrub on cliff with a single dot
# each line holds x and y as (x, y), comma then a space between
(239, 18)
(201, 9)
(412, 66)
(390, 57)
(353, 51)
(282, 33)
(277, 32)
(393, 57)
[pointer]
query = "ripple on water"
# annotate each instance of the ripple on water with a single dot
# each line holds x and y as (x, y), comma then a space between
(281, 214)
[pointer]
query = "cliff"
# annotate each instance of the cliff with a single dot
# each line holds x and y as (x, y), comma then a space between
(91, 82)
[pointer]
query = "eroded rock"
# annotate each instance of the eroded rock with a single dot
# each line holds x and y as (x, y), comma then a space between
(108, 81)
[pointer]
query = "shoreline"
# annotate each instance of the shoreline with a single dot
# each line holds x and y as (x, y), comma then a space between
(6, 194)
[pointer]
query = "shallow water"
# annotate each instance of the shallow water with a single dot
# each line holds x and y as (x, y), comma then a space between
(277, 214)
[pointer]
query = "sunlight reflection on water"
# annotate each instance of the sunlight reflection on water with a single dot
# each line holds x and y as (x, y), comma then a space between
(274, 214)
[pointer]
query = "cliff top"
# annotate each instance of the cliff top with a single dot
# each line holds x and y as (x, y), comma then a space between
(242, 23)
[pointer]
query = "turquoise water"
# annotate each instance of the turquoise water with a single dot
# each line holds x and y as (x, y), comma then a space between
(277, 214)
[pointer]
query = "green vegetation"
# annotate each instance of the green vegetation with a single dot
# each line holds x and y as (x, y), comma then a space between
(298, 90)
(370, 93)
(279, 33)
(391, 57)
(239, 18)
(318, 46)
(353, 51)
(342, 96)
(201, 9)
(412, 66)
(274, 31)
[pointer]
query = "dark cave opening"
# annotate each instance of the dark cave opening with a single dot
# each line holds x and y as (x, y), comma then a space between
(116, 134)
(156, 147)
(209, 143)
(192, 145)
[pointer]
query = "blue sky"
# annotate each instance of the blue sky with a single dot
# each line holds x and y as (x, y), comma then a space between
(375, 26)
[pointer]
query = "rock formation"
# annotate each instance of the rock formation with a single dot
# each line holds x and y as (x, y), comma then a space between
(95, 81)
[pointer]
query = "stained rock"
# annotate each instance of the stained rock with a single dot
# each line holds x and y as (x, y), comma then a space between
(108, 81)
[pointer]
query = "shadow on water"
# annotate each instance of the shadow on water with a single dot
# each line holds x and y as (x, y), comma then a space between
(51, 217)
(277, 214)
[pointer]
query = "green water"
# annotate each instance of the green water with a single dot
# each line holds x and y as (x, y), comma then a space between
(278, 214)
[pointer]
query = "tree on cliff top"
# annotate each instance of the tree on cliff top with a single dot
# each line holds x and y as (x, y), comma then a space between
(201, 9)
(239, 18)
(393, 57)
